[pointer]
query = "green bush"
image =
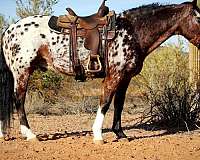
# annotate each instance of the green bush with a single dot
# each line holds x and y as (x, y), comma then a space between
(47, 84)
(177, 106)
(165, 65)
(51, 93)
(164, 86)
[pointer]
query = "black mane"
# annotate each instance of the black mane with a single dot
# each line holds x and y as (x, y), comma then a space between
(144, 8)
(145, 12)
(151, 15)
(144, 21)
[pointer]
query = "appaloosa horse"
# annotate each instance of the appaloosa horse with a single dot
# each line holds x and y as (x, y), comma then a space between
(30, 43)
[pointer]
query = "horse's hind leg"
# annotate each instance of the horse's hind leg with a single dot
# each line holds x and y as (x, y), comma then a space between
(118, 107)
(20, 95)
(6, 96)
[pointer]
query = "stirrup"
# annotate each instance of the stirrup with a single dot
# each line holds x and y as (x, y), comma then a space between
(98, 63)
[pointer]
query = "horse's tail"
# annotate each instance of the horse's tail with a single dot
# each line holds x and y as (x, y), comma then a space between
(6, 92)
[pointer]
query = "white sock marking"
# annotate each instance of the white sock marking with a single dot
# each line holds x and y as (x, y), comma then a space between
(1, 129)
(27, 132)
(97, 126)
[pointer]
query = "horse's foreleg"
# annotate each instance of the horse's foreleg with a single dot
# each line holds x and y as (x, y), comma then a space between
(20, 95)
(98, 123)
(106, 98)
(118, 107)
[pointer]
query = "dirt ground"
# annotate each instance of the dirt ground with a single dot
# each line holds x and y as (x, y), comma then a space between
(70, 137)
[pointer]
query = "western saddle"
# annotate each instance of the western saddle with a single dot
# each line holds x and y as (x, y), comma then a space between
(97, 29)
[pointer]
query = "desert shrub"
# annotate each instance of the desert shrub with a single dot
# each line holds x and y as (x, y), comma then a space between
(50, 93)
(159, 68)
(88, 105)
(164, 87)
(167, 64)
(47, 84)
(177, 105)
(42, 80)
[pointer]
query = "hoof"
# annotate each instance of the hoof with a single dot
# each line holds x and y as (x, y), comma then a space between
(98, 142)
(2, 139)
(34, 139)
(123, 140)
(8, 138)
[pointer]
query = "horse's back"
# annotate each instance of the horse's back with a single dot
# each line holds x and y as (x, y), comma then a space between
(25, 28)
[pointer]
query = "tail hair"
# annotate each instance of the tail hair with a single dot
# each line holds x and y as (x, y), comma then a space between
(6, 92)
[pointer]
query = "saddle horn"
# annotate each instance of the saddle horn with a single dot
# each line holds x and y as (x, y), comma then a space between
(71, 12)
(103, 9)
(103, 3)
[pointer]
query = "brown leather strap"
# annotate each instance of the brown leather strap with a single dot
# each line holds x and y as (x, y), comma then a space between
(73, 34)
(77, 67)
(105, 49)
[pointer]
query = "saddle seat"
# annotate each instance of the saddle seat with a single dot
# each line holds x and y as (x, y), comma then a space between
(86, 23)
(89, 22)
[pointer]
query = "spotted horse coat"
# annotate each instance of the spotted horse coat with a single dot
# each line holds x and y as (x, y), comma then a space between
(30, 43)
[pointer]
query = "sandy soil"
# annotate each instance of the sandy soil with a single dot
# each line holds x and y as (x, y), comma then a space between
(70, 137)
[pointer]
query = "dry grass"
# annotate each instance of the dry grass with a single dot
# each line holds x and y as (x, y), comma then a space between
(74, 98)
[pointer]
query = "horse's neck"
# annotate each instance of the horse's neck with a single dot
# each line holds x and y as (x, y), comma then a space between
(153, 29)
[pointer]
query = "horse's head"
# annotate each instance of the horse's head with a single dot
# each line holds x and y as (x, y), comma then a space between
(189, 25)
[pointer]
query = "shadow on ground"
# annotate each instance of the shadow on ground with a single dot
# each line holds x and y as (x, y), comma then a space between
(146, 127)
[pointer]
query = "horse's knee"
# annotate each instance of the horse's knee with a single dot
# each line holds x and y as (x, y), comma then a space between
(133, 68)
(130, 66)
